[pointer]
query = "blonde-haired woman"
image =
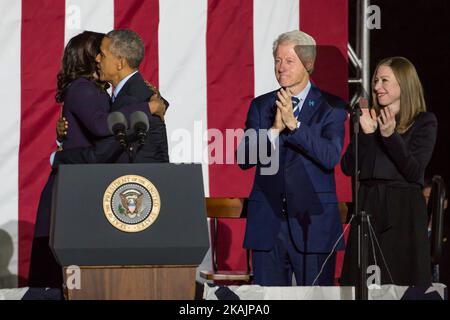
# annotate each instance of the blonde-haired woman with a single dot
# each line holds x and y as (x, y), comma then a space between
(396, 143)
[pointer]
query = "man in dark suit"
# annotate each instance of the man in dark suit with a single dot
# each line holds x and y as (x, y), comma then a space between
(293, 221)
(121, 53)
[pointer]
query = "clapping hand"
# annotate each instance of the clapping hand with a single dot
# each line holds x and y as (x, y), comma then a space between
(387, 122)
(284, 104)
(278, 124)
(368, 118)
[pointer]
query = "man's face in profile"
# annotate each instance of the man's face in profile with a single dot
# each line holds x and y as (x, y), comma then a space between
(107, 61)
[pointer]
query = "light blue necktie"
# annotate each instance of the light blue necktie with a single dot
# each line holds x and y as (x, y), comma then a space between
(296, 106)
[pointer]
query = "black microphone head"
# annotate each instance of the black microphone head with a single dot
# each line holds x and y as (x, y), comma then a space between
(139, 121)
(117, 122)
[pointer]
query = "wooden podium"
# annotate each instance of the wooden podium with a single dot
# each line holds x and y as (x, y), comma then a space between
(134, 283)
(158, 262)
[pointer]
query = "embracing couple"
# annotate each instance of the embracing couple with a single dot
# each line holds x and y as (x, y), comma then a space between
(91, 63)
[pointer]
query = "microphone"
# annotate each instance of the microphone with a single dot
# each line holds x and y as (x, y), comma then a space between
(355, 110)
(140, 125)
(118, 125)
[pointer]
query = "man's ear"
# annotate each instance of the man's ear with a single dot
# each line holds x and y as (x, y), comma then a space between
(120, 63)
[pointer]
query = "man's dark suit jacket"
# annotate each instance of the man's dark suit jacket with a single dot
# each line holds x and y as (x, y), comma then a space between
(155, 149)
(305, 180)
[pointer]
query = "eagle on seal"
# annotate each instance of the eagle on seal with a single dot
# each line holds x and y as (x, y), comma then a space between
(131, 202)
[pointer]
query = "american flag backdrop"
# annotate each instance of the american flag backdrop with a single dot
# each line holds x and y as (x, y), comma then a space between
(209, 58)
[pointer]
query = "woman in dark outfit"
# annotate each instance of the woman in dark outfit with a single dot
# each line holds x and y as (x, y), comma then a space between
(396, 143)
(83, 96)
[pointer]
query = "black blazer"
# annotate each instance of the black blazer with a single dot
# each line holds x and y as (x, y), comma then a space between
(400, 157)
(155, 149)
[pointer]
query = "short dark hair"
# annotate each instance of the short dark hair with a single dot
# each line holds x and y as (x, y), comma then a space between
(127, 44)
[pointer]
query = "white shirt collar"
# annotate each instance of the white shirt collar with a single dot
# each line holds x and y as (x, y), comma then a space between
(304, 93)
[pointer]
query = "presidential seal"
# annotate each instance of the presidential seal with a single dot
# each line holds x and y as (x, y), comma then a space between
(131, 203)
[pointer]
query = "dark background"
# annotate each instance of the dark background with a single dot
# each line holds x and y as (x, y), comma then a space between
(418, 30)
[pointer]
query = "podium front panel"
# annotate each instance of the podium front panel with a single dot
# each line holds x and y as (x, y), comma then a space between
(82, 235)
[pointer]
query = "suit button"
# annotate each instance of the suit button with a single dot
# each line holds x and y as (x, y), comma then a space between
(284, 199)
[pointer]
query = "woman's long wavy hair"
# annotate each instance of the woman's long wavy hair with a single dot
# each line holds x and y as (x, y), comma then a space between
(79, 61)
(412, 100)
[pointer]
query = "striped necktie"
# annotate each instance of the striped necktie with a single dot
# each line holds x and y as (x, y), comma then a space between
(296, 106)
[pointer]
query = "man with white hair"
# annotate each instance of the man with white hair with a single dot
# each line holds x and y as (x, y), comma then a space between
(293, 220)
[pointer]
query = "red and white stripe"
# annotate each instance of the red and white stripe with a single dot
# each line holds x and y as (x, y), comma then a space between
(10, 26)
(208, 57)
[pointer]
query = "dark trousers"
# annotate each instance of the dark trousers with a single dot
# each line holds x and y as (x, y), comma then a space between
(275, 267)
(44, 270)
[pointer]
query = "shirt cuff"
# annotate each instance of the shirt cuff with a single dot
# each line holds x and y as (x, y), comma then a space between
(52, 158)
(273, 134)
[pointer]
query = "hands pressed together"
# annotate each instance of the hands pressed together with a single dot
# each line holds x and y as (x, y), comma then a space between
(284, 117)
(370, 122)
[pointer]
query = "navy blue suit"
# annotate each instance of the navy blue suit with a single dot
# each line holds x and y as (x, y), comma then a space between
(301, 196)
(155, 148)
